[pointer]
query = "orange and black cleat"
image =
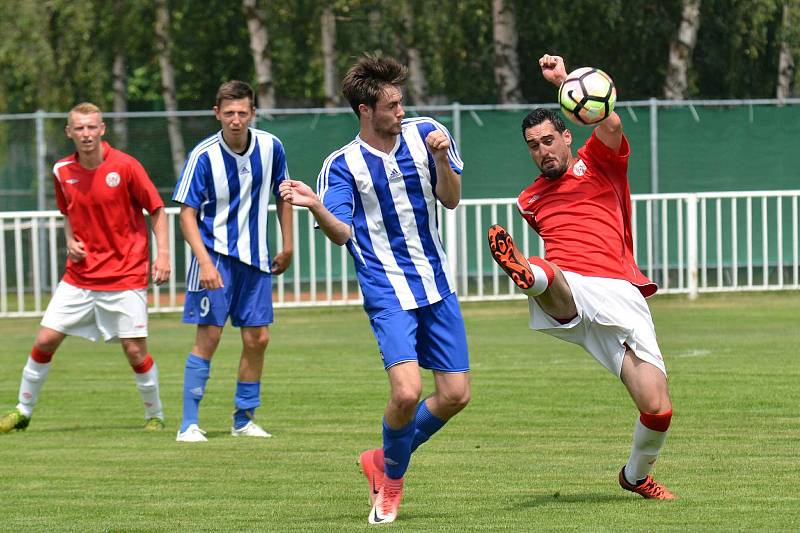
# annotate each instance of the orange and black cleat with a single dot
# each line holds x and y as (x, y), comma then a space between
(508, 256)
(649, 488)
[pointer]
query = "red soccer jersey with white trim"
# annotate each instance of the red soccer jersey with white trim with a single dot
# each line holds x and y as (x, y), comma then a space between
(104, 207)
(584, 216)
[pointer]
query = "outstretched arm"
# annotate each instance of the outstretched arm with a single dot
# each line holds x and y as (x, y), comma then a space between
(608, 131)
(299, 194)
(553, 69)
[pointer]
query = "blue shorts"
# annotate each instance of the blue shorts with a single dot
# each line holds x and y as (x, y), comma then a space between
(246, 295)
(433, 336)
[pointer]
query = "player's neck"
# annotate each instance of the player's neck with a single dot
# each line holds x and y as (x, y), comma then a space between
(93, 159)
(382, 142)
(239, 143)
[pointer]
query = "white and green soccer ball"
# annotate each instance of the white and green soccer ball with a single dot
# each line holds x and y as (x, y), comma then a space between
(587, 96)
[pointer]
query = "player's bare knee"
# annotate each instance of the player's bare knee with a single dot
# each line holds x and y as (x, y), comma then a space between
(207, 340)
(255, 340)
(134, 350)
(48, 340)
(406, 399)
(454, 400)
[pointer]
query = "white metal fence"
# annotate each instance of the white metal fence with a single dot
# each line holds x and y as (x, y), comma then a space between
(687, 243)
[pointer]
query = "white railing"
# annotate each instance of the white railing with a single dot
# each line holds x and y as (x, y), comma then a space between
(687, 243)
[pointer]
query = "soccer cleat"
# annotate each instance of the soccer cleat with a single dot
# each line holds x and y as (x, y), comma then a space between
(192, 434)
(384, 510)
(154, 424)
(14, 420)
(251, 429)
(371, 462)
(649, 488)
(508, 256)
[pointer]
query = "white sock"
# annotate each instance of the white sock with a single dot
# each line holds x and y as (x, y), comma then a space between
(540, 281)
(646, 445)
(33, 377)
(147, 384)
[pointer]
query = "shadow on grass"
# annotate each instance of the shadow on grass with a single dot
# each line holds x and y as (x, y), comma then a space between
(543, 500)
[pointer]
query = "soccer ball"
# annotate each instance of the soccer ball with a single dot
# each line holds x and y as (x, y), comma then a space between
(587, 96)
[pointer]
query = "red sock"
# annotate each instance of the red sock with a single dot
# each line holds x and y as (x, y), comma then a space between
(41, 357)
(145, 365)
(656, 421)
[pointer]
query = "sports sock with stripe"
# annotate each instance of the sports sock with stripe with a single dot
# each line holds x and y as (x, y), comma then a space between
(397, 449)
(195, 375)
(34, 375)
(246, 399)
(146, 375)
(648, 439)
(425, 425)
(543, 276)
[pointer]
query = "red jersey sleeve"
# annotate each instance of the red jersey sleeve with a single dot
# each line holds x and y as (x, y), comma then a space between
(614, 163)
(141, 187)
(61, 202)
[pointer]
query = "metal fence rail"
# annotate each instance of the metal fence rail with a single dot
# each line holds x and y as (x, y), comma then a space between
(687, 243)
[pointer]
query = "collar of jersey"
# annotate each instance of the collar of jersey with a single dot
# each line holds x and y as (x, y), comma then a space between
(375, 151)
(231, 152)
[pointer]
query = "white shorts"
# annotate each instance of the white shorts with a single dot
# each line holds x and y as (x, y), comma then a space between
(86, 313)
(612, 313)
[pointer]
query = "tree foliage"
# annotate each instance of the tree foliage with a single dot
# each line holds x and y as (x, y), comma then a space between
(54, 53)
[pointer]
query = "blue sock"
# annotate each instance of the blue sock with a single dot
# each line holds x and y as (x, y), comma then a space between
(195, 376)
(247, 398)
(426, 424)
(397, 449)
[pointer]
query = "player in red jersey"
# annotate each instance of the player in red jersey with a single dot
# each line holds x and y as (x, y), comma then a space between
(588, 289)
(101, 192)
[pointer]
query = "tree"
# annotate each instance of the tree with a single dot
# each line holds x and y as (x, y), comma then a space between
(119, 84)
(681, 49)
(168, 84)
(417, 81)
(740, 49)
(786, 62)
(506, 62)
(328, 30)
(259, 43)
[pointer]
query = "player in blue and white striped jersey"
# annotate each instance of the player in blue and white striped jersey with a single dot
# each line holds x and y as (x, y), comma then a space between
(225, 189)
(378, 195)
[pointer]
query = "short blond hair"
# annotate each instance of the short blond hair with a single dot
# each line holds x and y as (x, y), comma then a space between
(85, 108)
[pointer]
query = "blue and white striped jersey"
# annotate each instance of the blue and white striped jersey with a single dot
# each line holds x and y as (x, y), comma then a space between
(231, 193)
(389, 202)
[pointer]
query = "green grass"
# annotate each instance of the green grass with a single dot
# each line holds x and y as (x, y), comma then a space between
(538, 448)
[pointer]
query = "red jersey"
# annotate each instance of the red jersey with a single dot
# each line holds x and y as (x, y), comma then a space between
(104, 207)
(584, 216)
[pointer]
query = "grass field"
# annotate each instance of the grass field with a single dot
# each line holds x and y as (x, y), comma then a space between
(538, 449)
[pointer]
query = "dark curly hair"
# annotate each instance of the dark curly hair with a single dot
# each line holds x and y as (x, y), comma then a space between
(366, 79)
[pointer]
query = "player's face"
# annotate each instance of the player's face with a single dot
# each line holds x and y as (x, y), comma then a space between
(385, 119)
(85, 130)
(235, 117)
(550, 150)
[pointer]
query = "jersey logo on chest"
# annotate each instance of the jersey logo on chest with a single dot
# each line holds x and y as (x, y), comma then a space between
(395, 175)
(579, 168)
(112, 179)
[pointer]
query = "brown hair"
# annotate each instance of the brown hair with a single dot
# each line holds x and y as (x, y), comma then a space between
(235, 90)
(366, 79)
